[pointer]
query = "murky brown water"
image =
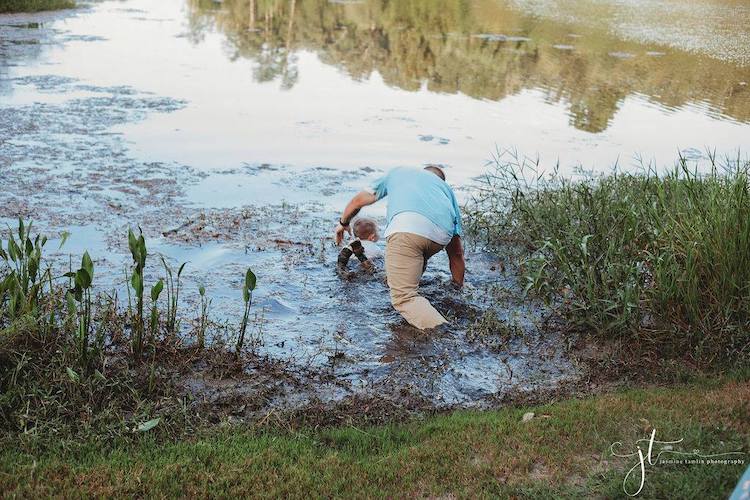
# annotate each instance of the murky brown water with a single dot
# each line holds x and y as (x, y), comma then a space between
(247, 124)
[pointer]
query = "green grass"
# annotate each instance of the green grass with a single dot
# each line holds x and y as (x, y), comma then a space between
(563, 451)
(663, 260)
(34, 5)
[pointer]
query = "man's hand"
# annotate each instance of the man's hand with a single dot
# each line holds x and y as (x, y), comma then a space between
(455, 251)
(361, 199)
(339, 233)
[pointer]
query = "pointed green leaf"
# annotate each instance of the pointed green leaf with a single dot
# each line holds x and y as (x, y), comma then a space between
(250, 279)
(156, 290)
(63, 238)
(148, 425)
(166, 266)
(132, 243)
(136, 282)
(83, 280)
(72, 375)
(33, 267)
(12, 248)
(88, 265)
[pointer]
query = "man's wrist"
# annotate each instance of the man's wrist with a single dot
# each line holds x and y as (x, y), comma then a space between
(343, 224)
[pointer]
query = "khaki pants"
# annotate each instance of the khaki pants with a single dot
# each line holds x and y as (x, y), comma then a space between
(405, 261)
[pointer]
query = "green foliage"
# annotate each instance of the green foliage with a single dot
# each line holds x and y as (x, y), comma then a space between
(247, 296)
(65, 368)
(34, 5)
(155, 293)
(81, 293)
(21, 287)
(173, 295)
(148, 425)
(138, 251)
(664, 258)
(52, 367)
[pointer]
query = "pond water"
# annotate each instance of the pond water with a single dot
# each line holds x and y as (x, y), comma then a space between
(234, 131)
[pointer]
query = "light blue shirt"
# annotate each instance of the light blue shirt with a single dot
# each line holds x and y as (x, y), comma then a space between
(420, 191)
(742, 491)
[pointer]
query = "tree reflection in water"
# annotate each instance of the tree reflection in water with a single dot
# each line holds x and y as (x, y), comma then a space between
(480, 48)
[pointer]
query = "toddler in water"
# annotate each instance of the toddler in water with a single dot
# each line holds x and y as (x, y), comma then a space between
(363, 246)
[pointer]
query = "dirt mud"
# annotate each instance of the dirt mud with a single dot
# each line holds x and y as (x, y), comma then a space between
(320, 341)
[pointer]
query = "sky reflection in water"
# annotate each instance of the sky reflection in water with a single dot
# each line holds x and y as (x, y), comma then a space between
(310, 83)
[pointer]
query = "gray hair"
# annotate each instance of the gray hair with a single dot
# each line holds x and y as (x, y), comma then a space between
(436, 170)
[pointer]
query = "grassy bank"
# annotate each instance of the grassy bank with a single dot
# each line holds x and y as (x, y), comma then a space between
(90, 402)
(564, 450)
(661, 262)
(7, 6)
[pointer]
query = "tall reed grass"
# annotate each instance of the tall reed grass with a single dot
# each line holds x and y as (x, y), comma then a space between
(657, 257)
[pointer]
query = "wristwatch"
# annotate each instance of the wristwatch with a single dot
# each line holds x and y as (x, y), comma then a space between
(343, 224)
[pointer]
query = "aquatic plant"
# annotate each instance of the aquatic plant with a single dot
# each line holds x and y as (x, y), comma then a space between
(137, 247)
(664, 258)
(64, 368)
(247, 296)
(20, 290)
(81, 293)
(203, 316)
(155, 292)
(173, 294)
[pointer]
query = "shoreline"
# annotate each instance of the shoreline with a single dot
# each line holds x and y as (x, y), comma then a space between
(33, 6)
(598, 308)
(571, 454)
(554, 353)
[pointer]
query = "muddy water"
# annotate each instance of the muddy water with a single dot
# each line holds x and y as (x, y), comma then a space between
(232, 133)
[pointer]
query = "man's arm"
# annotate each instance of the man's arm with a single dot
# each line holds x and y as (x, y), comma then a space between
(456, 260)
(361, 199)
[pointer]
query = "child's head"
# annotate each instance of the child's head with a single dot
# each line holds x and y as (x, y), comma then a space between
(365, 228)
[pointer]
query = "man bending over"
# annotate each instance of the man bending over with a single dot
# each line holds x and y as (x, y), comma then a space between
(422, 218)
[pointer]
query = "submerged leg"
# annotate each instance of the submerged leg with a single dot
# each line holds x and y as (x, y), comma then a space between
(404, 263)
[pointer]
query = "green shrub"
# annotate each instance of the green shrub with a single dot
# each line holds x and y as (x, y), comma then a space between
(664, 258)
(68, 368)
